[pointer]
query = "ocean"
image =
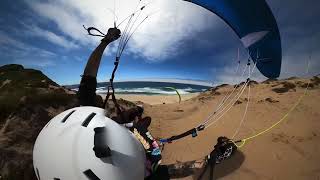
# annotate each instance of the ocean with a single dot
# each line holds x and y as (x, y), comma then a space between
(148, 88)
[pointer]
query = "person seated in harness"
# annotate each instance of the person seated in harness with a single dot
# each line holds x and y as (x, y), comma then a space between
(139, 127)
(152, 148)
(131, 118)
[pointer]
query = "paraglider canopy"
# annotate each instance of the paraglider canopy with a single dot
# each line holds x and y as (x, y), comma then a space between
(174, 89)
(255, 25)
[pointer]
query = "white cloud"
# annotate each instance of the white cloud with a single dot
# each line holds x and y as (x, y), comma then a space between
(164, 32)
(51, 37)
(20, 52)
(156, 39)
(67, 19)
(292, 65)
(230, 74)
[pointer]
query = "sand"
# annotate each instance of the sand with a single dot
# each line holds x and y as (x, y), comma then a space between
(289, 151)
(155, 99)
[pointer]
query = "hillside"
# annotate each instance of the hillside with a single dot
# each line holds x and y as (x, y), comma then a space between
(28, 100)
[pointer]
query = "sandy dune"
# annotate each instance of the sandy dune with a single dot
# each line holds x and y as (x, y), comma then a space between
(289, 151)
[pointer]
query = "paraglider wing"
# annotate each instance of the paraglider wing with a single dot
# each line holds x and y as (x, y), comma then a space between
(254, 23)
(172, 88)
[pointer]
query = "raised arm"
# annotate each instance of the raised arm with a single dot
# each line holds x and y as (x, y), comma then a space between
(94, 60)
(88, 84)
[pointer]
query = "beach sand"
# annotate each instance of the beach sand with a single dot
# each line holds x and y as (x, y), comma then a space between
(289, 151)
(154, 99)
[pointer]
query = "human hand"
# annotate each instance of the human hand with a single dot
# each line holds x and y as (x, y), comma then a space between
(112, 35)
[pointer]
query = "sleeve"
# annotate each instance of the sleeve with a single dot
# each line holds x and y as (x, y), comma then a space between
(87, 91)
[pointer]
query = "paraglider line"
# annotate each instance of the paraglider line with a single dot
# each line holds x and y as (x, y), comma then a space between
(243, 141)
(225, 99)
(231, 104)
(245, 112)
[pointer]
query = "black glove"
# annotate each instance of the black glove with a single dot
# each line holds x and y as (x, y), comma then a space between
(112, 35)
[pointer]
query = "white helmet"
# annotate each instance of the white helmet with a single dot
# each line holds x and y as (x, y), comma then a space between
(82, 144)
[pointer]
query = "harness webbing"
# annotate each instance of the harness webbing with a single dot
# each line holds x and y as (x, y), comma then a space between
(111, 89)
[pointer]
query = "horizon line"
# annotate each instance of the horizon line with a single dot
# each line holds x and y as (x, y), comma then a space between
(178, 81)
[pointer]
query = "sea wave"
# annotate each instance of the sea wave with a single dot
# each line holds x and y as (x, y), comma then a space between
(147, 90)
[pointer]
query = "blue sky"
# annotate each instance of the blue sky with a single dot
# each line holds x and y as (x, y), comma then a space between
(180, 41)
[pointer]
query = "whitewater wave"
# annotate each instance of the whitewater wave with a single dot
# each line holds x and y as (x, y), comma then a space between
(147, 90)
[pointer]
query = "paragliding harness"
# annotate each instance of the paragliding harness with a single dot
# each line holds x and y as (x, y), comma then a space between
(223, 150)
(152, 149)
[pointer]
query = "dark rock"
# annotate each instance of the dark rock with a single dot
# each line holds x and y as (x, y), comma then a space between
(179, 110)
(236, 86)
(241, 84)
(252, 82)
(270, 100)
(286, 87)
